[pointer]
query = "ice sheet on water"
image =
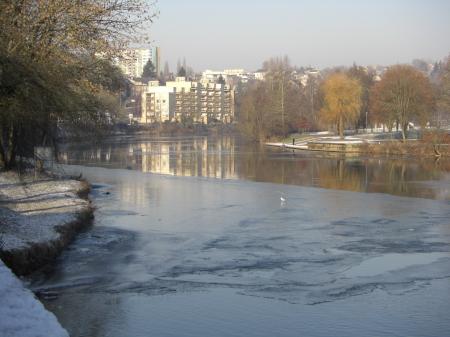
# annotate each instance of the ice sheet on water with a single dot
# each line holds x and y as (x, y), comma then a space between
(313, 261)
(89, 261)
(200, 234)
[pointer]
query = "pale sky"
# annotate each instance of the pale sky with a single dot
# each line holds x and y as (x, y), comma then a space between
(222, 34)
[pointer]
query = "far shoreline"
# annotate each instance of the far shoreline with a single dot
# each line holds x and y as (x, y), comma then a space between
(360, 145)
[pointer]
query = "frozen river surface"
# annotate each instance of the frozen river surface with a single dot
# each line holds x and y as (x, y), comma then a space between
(189, 256)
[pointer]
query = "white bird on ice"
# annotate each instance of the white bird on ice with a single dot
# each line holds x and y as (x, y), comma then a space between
(282, 198)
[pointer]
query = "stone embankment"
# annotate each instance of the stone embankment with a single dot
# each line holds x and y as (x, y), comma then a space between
(355, 146)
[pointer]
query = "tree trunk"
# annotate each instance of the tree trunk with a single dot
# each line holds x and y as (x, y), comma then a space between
(404, 130)
(8, 147)
(341, 127)
(11, 153)
(2, 149)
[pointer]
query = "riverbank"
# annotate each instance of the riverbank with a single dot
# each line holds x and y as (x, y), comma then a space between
(38, 218)
(22, 315)
(366, 146)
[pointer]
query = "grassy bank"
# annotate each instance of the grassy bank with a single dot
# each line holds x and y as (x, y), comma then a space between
(409, 148)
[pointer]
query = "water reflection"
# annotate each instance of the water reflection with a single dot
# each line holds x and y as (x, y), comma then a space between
(227, 158)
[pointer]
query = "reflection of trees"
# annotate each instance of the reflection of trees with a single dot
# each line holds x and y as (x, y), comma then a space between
(341, 174)
(396, 177)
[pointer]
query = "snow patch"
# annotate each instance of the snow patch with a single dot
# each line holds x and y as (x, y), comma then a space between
(21, 314)
(38, 217)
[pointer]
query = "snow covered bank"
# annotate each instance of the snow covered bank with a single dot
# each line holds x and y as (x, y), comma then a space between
(21, 314)
(38, 218)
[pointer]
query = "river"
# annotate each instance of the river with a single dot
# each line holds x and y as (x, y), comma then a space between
(191, 238)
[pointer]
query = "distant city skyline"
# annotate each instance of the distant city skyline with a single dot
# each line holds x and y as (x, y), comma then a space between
(242, 34)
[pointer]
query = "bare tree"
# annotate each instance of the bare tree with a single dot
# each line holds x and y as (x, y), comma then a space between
(48, 53)
(404, 95)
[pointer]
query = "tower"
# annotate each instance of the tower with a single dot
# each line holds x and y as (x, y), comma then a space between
(156, 59)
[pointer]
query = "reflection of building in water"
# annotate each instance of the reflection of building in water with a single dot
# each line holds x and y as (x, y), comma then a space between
(156, 158)
(204, 161)
(134, 192)
(200, 157)
(229, 165)
(197, 158)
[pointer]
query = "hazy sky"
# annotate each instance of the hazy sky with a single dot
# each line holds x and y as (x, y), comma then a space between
(218, 34)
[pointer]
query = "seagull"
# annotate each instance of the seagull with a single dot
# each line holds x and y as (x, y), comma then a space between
(282, 198)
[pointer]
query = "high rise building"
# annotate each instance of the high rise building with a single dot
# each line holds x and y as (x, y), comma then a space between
(156, 59)
(133, 61)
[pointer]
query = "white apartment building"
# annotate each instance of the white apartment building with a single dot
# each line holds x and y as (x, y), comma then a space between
(259, 75)
(231, 76)
(132, 61)
(213, 76)
(216, 102)
(235, 72)
(186, 99)
(157, 104)
(203, 101)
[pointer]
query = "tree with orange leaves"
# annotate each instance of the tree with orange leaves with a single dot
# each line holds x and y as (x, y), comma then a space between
(403, 95)
(342, 101)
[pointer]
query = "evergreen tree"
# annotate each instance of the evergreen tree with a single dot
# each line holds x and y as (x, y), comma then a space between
(182, 72)
(149, 70)
(221, 80)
